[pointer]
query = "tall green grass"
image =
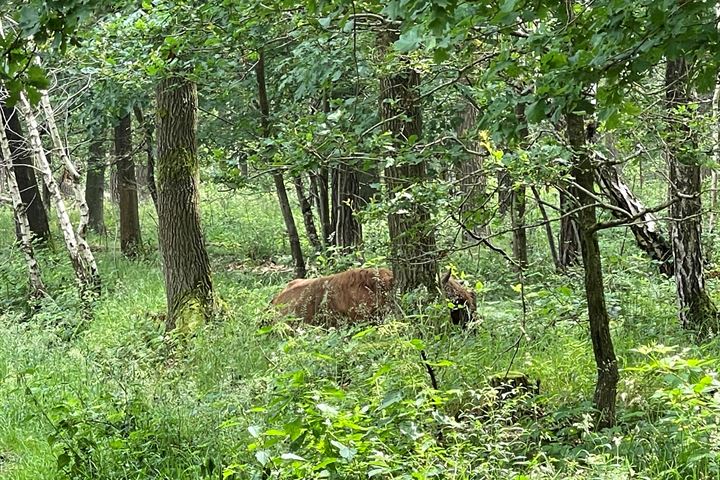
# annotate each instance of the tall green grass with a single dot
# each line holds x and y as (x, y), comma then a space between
(117, 397)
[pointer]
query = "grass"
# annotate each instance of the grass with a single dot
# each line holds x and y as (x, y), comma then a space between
(115, 398)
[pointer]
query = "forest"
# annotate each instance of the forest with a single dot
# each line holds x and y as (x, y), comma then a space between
(345, 239)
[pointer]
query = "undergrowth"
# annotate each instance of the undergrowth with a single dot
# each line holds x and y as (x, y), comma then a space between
(115, 397)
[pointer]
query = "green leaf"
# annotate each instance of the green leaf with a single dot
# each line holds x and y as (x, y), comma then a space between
(536, 111)
(63, 460)
(345, 452)
(408, 41)
(262, 457)
(292, 457)
(390, 399)
(36, 77)
(508, 6)
(327, 410)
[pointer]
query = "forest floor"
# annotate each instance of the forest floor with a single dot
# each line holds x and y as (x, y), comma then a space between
(116, 398)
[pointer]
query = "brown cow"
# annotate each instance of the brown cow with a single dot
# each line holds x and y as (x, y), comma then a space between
(359, 294)
(356, 295)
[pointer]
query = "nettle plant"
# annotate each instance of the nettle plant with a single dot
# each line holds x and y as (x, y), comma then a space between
(678, 422)
(368, 411)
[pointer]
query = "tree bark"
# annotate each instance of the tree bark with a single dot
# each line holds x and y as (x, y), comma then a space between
(307, 214)
(37, 288)
(504, 191)
(130, 240)
(293, 237)
(413, 250)
(79, 251)
(471, 177)
(605, 360)
(95, 186)
(569, 234)
(646, 229)
(518, 197)
(148, 128)
(696, 309)
(320, 189)
(548, 230)
(71, 176)
(519, 239)
(346, 199)
(716, 148)
(25, 176)
(188, 283)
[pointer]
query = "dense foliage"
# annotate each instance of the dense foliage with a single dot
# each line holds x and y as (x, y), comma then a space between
(558, 157)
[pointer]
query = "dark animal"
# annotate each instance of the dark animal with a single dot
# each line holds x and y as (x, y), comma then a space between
(463, 300)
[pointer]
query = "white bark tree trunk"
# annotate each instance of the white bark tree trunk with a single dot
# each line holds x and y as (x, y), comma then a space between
(74, 176)
(716, 153)
(78, 249)
(7, 175)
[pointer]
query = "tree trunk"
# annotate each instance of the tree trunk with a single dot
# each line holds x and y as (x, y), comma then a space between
(95, 186)
(367, 181)
(471, 177)
(569, 234)
(716, 149)
(696, 310)
(605, 360)
(148, 128)
(188, 283)
(519, 239)
(548, 230)
(518, 197)
(646, 229)
(79, 251)
(130, 240)
(37, 289)
(504, 191)
(413, 251)
(71, 176)
(307, 214)
(346, 196)
(293, 237)
(25, 176)
(320, 189)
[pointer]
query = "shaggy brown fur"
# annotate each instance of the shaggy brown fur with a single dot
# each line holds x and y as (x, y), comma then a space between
(359, 295)
(356, 295)
(463, 299)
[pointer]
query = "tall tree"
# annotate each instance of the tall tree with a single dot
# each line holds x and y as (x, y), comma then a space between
(25, 175)
(321, 194)
(643, 224)
(295, 247)
(569, 234)
(130, 239)
(469, 172)
(346, 196)
(518, 204)
(412, 238)
(82, 258)
(605, 360)
(188, 283)
(147, 128)
(307, 214)
(95, 185)
(37, 288)
(696, 309)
